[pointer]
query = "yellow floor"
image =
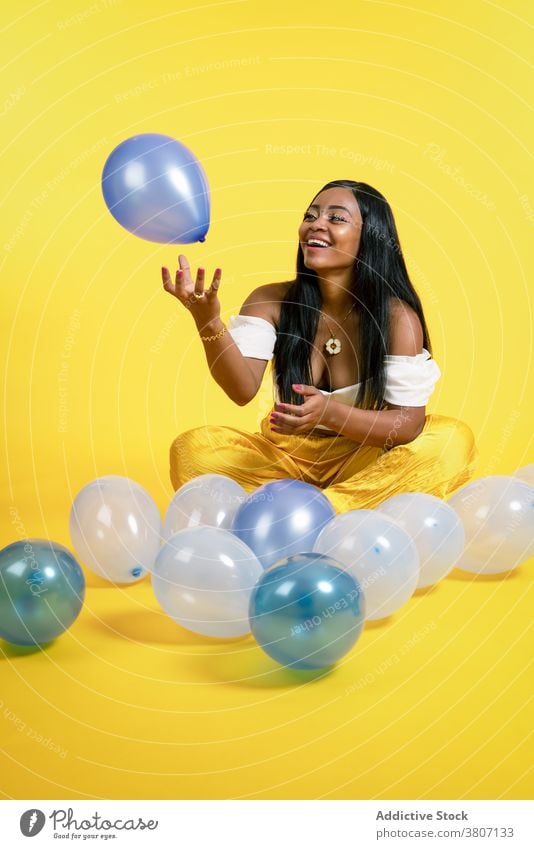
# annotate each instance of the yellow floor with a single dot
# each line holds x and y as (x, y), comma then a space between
(103, 369)
(430, 704)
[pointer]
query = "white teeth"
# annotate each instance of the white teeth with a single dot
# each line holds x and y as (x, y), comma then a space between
(318, 242)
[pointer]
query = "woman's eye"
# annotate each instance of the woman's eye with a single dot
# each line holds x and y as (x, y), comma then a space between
(309, 216)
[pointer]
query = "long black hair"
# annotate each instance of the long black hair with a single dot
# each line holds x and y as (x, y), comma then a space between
(379, 274)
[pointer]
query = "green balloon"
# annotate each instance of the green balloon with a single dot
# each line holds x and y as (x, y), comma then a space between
(42, 588)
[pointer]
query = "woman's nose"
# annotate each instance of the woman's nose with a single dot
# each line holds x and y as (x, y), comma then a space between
(320, 222)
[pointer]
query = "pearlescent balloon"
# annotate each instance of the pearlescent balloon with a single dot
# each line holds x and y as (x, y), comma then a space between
(203, 578)
(436, 529)
(525, 474)
(498, 517)
(155, 187)
(378, 553)
(282, 518)
(205, 500)
(42, 588)
(115, 528)
(307, 611)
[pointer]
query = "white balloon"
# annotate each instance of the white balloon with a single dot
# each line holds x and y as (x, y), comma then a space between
(435, 528)
(526, 474)
(203, 578)
(378, 553)
(205, 500)
(498, 517)
(115, 528)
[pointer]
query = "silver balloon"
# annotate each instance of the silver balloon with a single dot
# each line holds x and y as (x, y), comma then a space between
(435, 528)
(205, 500)
(526, 474)
(498, 517)
(115, 528)
(378, 553)
(203, 578)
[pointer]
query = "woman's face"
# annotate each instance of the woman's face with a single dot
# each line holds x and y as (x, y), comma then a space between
(330, 232)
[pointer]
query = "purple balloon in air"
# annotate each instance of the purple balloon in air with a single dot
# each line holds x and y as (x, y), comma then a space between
(155, 187)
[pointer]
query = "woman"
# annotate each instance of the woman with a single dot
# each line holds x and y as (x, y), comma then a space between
(352, 367)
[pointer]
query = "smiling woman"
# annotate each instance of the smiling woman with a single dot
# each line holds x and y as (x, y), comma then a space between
(352, 367)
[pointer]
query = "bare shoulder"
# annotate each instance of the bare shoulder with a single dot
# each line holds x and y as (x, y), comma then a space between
(265, 301)
(406, 331)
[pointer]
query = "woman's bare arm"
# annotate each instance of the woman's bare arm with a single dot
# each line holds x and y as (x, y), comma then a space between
(226, 360)
(396, 425)
(238, 376)
(381, 428)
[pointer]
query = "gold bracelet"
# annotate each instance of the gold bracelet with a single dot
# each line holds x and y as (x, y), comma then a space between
(213, 338)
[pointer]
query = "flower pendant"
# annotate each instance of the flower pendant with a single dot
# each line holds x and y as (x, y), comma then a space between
(332, 346)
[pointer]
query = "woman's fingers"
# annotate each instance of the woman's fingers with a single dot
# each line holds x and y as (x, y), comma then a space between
(184, 266)
(183, 277)
(167, 280)
(291, 409)
(184, 289)
(180, 289)
(216, 282)
(199, 283)
(285, 421)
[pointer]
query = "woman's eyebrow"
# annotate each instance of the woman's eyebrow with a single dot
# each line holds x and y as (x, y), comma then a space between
(332, 206)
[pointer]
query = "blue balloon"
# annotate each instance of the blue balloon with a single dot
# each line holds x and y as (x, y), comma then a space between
(282, 518)
(42, 588)
(307, 611)
(156, 188)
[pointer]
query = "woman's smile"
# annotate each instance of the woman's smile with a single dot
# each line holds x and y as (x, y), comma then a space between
(330, 231)
(317, 244)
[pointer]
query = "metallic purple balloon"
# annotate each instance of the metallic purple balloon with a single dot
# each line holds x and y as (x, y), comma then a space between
(155, 187)
(282, 518)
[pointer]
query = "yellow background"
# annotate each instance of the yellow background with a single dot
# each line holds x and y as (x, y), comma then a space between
(427, 101)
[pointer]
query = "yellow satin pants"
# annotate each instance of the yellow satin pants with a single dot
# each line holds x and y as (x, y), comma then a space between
(438, 461)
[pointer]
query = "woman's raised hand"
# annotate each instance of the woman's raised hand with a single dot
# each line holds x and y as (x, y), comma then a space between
(204, 304)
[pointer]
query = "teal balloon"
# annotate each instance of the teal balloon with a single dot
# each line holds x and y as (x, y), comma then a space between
(156, 188)
(42, 588)
(307, 611)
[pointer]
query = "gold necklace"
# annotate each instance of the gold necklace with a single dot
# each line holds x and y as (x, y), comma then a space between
(333, 345)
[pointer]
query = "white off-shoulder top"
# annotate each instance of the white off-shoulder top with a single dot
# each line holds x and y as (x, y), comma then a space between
(410, 380)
